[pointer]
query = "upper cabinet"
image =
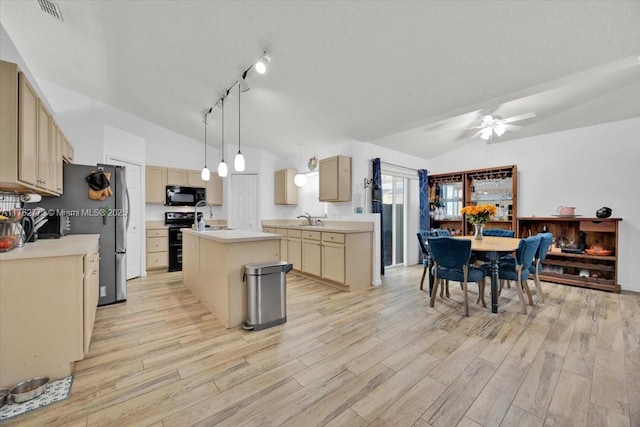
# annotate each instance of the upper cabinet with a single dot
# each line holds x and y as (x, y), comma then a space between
(30, 139)
(158, 177)
(335, 179)
(285, 191)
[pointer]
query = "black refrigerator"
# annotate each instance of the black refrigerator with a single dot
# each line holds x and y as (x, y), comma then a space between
(109, 218)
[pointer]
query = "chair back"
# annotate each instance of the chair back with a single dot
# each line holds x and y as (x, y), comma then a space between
(526, 252)
(545, 244)
(441, 232)
(423, 235)
(449, 252)
(498, 232)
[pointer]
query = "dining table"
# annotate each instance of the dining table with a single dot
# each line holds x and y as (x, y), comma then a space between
(493, 247)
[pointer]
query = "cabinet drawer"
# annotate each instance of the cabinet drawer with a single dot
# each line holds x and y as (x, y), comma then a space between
(604, 227)
(157, 244)
(333, 237)
(311, 235)
(282, 231)
(158, 232)
(294, 233)
(157, 259)
(268, 230)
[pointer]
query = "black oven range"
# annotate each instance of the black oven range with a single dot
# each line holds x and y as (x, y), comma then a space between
(176, 221)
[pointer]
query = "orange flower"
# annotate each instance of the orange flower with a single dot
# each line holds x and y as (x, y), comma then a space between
(478, 214)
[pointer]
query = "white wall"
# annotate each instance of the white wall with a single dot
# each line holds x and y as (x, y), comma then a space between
(587, 168)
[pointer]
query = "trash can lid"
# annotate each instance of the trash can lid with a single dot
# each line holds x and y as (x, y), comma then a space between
(259, 268)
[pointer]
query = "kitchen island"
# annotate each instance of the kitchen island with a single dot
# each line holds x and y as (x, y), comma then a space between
(213, 265)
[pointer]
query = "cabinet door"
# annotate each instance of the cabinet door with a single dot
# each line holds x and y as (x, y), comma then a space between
(214, 190)
(91, 296)
(46, 133)
(333, 264)
(27, 132)
(311, 255)
(284, 256)
(285, 191)
(328, 179)
(294, 252)
(194, 179)
(56, 160)
(156, 181)
(177, 177)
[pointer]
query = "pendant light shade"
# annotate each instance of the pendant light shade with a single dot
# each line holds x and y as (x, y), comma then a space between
(205, 175)
(222, 166)
(238, 162)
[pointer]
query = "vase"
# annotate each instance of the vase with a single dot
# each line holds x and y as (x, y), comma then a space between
(477, 231)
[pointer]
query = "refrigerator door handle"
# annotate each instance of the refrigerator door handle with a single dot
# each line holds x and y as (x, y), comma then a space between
(128, 209)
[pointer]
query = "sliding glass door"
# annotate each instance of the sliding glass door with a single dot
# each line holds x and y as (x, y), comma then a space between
(393, 204)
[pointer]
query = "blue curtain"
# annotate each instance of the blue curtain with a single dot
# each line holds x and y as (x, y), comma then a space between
(376, 205)
(424, 199)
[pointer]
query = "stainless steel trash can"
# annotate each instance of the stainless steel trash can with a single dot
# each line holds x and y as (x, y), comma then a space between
(266, 294)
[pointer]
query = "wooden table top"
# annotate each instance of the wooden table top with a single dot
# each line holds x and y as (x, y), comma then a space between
(492, 243)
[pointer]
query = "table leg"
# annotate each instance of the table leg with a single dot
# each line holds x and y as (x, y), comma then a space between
(493, 256)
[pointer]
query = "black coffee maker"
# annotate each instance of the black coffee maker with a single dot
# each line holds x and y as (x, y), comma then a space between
(582, 241)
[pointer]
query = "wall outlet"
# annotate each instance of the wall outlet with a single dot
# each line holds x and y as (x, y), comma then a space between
(103, 291)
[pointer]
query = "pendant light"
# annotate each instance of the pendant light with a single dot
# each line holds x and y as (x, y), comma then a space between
(238, 162)
(205, 174)
(222, 166)
(300, 179)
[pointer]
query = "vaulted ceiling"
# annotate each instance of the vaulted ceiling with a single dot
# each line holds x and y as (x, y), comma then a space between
(407, 75)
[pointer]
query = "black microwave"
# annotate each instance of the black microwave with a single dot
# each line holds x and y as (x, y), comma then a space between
(177, 195)
(58, 224)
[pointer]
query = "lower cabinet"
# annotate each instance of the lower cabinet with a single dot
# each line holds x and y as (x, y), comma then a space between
(46, 322)
(311, 253)
(294, 249)
(157, 248)
(333, 262)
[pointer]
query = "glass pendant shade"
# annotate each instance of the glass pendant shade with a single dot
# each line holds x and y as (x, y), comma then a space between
(205, 175)
(300, 179)
(238, 162)
(222, 169)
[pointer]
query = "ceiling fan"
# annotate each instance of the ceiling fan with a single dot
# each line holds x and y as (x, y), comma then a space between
(493, 124)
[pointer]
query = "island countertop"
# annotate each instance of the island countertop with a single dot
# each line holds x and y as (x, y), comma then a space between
(232, 236)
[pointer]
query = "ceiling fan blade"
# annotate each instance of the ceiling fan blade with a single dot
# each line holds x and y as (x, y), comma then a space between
(475, 134)
(512, 128)
(520, 117)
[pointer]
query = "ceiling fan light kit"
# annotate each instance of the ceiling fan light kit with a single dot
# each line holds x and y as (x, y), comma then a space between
(260, 65)
(493, 124)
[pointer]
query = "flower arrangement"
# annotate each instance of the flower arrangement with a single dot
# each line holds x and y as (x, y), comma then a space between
(479, 214)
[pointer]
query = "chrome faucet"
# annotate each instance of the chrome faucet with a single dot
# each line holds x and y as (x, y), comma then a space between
(306, 216)
(195, 213)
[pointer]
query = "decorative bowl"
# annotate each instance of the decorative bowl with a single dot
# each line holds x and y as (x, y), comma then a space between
(601, 252)
(29, 389)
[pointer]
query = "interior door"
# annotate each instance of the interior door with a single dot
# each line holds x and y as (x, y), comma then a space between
(134, 234)
(244, 202)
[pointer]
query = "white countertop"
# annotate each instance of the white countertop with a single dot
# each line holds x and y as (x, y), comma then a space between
(232, 236)
(76, 244)
(328, 227)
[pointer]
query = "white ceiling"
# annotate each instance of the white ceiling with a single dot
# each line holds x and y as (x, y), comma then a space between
(407, 75)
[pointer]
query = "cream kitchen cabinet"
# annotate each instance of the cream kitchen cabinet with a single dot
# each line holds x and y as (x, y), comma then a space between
(156, 182)
(177, 176)
(285, 190)
(157, 248)
(46, 322)
(311, 253)
(294, 248)
(284, 255)
(67, 151)
(333, 257)
(213, 186)
(335, 179)
(29, 160)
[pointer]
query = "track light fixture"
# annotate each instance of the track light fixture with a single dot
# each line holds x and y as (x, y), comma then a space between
(260, 65)
(222, 166)
(205, 174)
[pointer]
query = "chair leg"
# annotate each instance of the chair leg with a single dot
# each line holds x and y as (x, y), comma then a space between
(434, 291)
(480, 298)
(446, 282)
(521, 297)
(424, 273)
(536, 280)
(525, 285)
(466, 298)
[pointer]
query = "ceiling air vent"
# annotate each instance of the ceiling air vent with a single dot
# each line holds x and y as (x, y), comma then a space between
(51, 8)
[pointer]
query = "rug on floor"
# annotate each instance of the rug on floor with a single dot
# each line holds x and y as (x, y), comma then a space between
(55, 391)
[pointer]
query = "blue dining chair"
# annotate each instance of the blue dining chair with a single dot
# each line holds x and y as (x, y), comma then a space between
(498, 232)
(451, 262)
(426, 259)
(519, 270)
(541, 254)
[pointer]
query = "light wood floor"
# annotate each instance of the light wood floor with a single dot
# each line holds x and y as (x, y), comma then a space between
(380, 356)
